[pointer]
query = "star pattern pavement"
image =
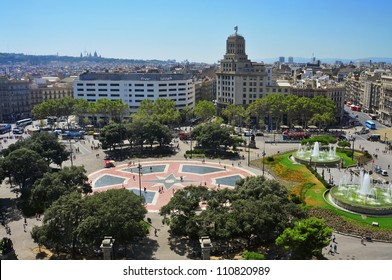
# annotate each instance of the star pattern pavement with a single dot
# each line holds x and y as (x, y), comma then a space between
(169, 181)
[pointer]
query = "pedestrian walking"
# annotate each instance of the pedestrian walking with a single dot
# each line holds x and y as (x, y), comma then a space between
(155, 232)
(334, 239)
(362, 240)
(330, 249)
(335, 248)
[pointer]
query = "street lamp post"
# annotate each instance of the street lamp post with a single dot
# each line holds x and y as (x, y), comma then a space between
(263, 154)
(190, 138)
(70, 150)
(139, 167)
(352, 155)
(250, 135)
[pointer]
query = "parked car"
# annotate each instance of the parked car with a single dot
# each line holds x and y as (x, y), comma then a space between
(259, 133)
(17, 131)
(384, 173)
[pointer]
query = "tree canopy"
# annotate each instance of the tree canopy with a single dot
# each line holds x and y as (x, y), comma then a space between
(299, 110)
(81, 223)
(213, 136)
(257, 208)
(205, 109)
(306, 238)
(45, 144)
(52, 186)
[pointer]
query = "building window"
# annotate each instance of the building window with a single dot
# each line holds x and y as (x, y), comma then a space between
(139, 95)
(91, 89)
(150, 90)
(102, 85)
(79, 84)
(102, 89)
(114, 85)
(80, 89)
(163, 95)
(150, 85)
(91, 85)
(114, 89)
(162, 90)
(115, 95)
(150, 95)
(102, 95)
(162, 85)
(139, 90)
(139, 85)
(172, 94)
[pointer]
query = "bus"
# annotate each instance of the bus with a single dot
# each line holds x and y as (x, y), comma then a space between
(370, 124)
(373, 116)
(24, 122)
(355, 108)
(5, 128)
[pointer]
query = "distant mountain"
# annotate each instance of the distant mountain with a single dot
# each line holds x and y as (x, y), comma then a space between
(329, 60)
(8, 58)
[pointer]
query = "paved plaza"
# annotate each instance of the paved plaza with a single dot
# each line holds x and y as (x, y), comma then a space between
(160, 179)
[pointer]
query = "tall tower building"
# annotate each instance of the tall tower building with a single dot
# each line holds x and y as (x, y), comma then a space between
(281, 59)
(239, 80)
(291, 60)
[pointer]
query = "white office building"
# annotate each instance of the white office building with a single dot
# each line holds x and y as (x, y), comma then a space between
(135, 87)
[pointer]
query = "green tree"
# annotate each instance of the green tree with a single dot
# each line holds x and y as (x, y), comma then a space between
(60, 224)
(112, 135)
(54, 185)
(306, 238)
(256, 209)
(213, 136)
(235, 114)
(153, 131)
(25, 166)
(118, 213)
(45, 144)
(164, 111)
(78, 222)
(205, 109)
(182, 208)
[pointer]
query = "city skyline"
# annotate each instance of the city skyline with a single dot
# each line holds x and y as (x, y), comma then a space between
(196, 30)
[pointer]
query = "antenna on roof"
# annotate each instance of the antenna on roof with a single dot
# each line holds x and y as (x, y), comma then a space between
(236, 29)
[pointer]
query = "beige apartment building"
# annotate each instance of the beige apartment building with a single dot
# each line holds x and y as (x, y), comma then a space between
(386, 100)
(41, 94)
(14, 100)
(240, 81)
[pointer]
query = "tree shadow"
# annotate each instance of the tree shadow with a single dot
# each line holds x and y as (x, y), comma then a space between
(185, 247)
(143, 249)
(9, 210)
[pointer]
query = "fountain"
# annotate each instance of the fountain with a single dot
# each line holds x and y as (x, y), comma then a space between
(316, 150)
(362, 196)
(316, 156)
(365, 184)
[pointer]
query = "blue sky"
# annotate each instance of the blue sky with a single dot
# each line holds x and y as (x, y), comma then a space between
(197, 30)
